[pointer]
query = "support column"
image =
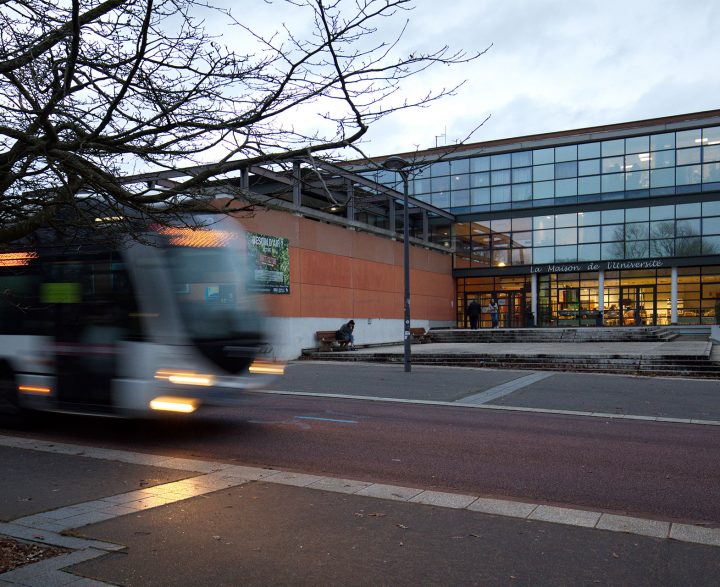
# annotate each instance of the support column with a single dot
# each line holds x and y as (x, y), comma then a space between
(674, 295)
(297, 185)
(601, 290)
(534, 297)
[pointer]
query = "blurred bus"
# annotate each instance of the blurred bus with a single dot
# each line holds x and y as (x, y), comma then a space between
(131, 326)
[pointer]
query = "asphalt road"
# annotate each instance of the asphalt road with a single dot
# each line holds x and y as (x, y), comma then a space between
(650, 469)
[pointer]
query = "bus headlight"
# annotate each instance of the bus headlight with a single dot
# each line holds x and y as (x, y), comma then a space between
(185, 377)
(168, 403)
(267, 367)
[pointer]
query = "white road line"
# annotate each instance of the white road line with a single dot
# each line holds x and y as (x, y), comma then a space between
(461, 403)
(215, 476)
(505, 388)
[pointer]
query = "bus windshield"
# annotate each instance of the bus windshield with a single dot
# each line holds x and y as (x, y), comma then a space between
(206, 284)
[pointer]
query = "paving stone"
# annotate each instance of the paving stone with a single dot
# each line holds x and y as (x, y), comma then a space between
(389, 492)
(633, 525)
(698, 534)
(339, 485)
(443, 499)
(501, 507)
(568, 516)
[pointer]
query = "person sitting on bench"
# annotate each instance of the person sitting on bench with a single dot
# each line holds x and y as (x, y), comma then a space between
(345, 334)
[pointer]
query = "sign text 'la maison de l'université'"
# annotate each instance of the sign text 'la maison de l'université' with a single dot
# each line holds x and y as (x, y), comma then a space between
(604, 266)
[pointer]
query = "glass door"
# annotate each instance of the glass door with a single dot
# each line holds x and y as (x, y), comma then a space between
(637, 305)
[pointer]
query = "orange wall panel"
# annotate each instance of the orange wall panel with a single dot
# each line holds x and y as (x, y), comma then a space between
(336, 272)
(325, 269)
(323, 300)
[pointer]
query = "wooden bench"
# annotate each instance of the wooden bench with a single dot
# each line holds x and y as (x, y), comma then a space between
(420, 335)
(327, 340)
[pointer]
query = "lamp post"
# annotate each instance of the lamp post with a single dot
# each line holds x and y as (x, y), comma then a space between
(399, 165)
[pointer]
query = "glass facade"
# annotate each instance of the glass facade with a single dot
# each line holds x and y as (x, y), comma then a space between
(670, 230)
(623, 231)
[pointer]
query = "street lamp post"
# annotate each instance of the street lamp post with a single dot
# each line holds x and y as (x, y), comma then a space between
(399, 165)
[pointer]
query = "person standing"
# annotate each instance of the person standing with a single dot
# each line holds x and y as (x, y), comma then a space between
(473, 312)
(494, 312)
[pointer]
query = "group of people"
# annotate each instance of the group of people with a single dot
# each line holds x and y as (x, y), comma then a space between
(474, 310)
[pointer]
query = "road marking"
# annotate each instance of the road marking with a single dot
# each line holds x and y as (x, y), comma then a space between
(326, 419)
(461, 404)
(216, 476)
(504, 389)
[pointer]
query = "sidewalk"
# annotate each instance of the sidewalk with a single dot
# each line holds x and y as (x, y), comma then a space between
(135, 519)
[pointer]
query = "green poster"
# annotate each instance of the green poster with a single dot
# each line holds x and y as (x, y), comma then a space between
(270, 263)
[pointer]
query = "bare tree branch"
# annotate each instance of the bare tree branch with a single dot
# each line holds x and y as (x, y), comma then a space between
(92, 91)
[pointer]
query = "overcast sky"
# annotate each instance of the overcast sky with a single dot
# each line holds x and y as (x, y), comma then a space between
(557, 65)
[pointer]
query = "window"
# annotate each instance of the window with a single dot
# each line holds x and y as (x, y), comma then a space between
(589, 185)
(480, 164)
(566, 170)
(613, 216)
(521, 192)
(500, 177)
(589, 151)
(565, 187)
(637, 145)
(544, 238)
(613, 164)
(662, 141)
(522, 175)
(565, 236)
(589, 167)
(589, 234)
(543, 189)
(613, 182)
(500, 161)
(479, 196)
(542, 156)
(522, 159)
(711, 172)
(460, 182)
(613, 148)
(662, 159)
(637, 180)
(478, 180)
(458, 166)
(688, 156)
(662, 178)
(568, 153)
(543, 172)
(688, 138)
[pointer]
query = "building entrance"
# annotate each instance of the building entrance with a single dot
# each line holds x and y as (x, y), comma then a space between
(634, 305)
(513, 308)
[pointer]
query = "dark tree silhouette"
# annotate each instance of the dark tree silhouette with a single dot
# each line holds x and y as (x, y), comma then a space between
(95, 90)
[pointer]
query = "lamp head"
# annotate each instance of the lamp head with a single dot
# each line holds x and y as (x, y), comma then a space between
(395, 163)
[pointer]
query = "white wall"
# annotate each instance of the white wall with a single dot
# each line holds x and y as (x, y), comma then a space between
(291, 335)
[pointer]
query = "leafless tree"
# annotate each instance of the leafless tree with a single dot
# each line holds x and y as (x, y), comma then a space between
(95, 90)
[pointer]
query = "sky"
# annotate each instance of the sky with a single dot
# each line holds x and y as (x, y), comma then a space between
(556, 65)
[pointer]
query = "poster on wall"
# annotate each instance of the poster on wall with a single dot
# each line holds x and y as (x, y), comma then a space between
(270, 263)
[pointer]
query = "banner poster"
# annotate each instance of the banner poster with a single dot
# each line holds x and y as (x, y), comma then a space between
(269, 263)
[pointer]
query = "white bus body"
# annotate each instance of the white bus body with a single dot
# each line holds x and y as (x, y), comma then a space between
(143, 328)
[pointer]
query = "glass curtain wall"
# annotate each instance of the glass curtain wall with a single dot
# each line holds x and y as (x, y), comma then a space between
(631, 298)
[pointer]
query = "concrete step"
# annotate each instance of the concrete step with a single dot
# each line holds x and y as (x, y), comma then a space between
(666, 366)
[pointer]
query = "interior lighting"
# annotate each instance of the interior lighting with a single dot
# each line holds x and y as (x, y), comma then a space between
(501, 264)
(196, 238)
(185, 378)
(267, 367)
(16, 259)
(33, 389)
(166, 403)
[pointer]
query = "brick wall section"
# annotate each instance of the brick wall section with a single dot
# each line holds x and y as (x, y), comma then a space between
(336, 272)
